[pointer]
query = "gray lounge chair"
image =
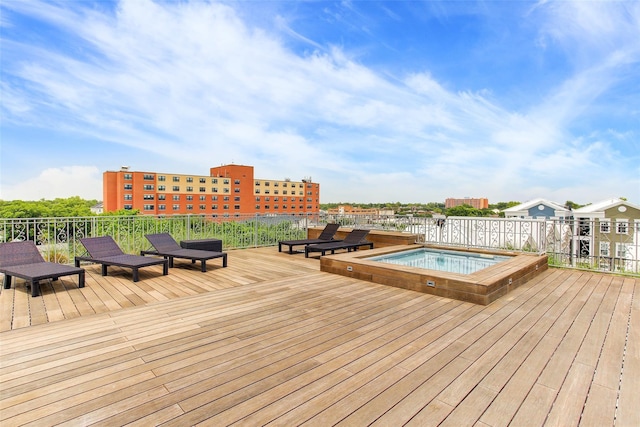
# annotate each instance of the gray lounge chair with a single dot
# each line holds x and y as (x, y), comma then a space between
(167, 247)
(352, 241)
(22, 259)
(324, 237)
(105, 251)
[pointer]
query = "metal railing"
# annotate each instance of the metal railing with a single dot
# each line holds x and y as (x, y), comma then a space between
(573, 244)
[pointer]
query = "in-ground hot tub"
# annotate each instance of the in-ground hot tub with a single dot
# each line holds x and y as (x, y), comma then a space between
(481, 286)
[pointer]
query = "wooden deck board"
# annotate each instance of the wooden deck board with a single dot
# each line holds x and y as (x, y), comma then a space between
(271, 340)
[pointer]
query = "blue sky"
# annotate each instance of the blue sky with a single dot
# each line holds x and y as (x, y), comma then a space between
(408, 101)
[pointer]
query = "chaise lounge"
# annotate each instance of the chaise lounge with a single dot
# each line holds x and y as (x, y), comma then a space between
(168, 248)
(22, 259)
(352, 241)
(105, 251)
(324, 237)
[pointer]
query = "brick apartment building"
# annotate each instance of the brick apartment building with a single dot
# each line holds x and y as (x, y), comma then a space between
(228, 190)
(474, 203)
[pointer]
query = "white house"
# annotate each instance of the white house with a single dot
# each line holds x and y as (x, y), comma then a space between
(538, 208)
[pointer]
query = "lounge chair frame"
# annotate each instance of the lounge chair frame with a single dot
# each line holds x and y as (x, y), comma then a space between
(106, 252)
(324, 237)
(352, 242)
(165, 246)
(23, 260)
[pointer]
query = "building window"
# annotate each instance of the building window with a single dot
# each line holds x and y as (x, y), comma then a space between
(622, 250)
(176, 188)
(214, 190)
(189, 197)
(203, 189)
(203, 180)
(203, 207)
(604, 249)
(203, 198)
(266, 207)
(237, 181)
(161, 196)
(257, 183)
(236, 207)
(128, 197)
(128, 176)
(275, 192)
(236, 190)
(128, 207)
(176, 197)
(176, 207)
(189, 179)
(225, 190)
(176, 179)
(236, 199)
(225, 198)
(148, 187)
(622, 226)
(257, 191)
(128, 187)
(189, 188)
(189, 207)
(162, 207)
(162, 178)
(149, 207)
(161, 188)
(214, 198)
(148, 197)
(214, 180)
(284, 192)
(214, 206)
(148, 177)
(225, 181)
(226, 207)
(266, 184)
(605, 226)
(275, 184)
(258, 207)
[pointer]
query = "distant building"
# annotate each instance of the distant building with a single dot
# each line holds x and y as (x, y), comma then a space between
(538, 208)
(227, 191)
(474, 203)
(97, 208)
(350, 210)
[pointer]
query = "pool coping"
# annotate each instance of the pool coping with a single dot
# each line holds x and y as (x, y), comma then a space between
(481, 287)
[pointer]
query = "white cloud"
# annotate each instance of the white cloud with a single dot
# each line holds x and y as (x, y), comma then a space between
(52, 183)
(196, 84)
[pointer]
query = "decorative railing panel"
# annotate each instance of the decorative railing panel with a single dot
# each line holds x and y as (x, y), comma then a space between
(574, 244)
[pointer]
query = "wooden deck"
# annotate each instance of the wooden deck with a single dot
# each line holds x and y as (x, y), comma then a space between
(272, 340)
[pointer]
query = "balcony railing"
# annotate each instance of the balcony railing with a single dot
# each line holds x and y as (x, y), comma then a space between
(573, 244)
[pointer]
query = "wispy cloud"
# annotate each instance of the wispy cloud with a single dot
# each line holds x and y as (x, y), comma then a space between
(175, 79)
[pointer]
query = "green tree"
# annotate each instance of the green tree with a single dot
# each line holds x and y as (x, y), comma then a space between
(69, 207)
(463, 210)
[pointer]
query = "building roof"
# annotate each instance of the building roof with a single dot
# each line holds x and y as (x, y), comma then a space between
(523, 208)
(603, 205)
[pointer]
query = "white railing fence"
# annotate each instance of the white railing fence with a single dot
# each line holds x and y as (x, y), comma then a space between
(565, 241)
